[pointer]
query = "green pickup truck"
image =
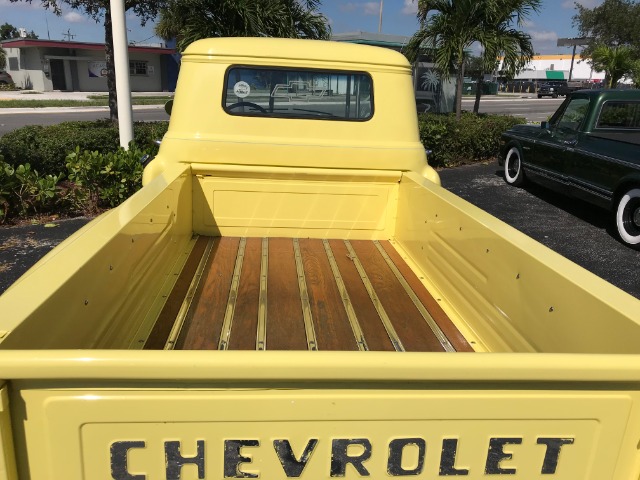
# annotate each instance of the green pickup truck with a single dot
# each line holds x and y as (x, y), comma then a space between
(589, 149)
(293, 295)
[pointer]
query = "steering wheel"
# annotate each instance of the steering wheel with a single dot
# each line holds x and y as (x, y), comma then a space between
(255, 106)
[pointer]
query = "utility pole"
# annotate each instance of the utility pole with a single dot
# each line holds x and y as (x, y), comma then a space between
(380, 22)
(47, 22)
(70, 36)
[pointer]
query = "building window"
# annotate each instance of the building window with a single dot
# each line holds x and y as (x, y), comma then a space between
(137, 67)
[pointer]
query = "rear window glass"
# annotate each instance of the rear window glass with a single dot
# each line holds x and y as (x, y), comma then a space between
(616, 114)
(289, 93)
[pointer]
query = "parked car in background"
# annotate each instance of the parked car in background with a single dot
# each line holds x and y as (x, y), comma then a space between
(572, 86)
(5, 78)
(550, 89)
(589, 150)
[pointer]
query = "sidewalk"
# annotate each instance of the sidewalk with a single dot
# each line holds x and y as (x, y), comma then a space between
(70, 96)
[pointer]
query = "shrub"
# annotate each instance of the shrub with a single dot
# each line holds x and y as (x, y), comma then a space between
(45, 148)
(24, 192)
(94, 182)
(102, 180)
(474, 138)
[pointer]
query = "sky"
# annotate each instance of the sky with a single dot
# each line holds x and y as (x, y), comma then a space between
(345, 16)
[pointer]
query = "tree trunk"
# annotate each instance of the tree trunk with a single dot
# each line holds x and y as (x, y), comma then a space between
(459, 89)
(479, 85)
(111, 68)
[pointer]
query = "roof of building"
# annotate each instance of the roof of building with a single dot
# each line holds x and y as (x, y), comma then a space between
(555, 56)
(31, 43)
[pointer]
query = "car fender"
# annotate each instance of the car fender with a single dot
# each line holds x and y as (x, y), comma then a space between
(624, 184)
(506, 146)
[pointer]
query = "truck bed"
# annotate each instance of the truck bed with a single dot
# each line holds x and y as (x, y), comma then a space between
(301, 294)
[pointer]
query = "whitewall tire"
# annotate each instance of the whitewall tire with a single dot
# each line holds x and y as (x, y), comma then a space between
(513, 171)
(628, 217)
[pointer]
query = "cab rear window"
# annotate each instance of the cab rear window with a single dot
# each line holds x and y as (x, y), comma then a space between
(298, 93)
(618, 114)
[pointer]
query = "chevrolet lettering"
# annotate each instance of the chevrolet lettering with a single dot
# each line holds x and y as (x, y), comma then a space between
(236, 459)
(292, 294)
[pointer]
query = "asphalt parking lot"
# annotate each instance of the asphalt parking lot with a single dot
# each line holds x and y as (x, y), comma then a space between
(574, 229)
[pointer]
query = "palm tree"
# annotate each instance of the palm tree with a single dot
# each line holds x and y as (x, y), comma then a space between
(501, 39)
(616, 62)
(191, 20)
(457, 25)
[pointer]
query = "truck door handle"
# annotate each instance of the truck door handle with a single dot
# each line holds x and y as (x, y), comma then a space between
(570, 143)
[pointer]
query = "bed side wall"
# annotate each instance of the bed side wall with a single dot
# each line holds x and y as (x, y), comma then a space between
(506, 291)
(95, 289)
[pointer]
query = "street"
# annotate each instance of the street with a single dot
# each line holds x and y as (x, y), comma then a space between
(10, 120)
(533, 109)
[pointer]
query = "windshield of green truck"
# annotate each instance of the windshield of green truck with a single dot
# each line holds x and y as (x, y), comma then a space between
(298, 93)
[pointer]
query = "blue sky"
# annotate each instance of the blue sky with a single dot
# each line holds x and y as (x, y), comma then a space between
(398, 18)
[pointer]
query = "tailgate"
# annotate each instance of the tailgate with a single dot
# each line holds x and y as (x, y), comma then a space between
(315, 415)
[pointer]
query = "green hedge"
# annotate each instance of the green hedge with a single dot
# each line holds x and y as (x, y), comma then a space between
(90, 182)
(45, 148)
(73, 168)
(472, 139)
(79, 167)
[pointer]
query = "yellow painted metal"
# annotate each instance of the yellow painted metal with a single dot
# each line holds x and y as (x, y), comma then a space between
(7, 453)
(320, 203)
(201, 130)
(375, 395)
(508, 291)
(233, 368)
(99, 285)
(565, 344)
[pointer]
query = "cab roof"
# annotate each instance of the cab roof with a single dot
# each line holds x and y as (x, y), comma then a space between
(612, 94)
(295, 50)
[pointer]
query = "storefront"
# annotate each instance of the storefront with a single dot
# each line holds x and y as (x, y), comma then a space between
(48, 65)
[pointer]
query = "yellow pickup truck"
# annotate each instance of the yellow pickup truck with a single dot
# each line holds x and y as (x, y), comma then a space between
(293, 295)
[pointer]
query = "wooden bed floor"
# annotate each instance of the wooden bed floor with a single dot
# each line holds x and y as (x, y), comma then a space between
(301, 294)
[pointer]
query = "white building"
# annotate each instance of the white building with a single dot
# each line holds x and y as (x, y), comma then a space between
(46, 65)
(557, 67)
